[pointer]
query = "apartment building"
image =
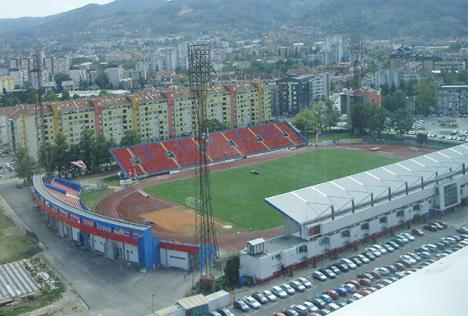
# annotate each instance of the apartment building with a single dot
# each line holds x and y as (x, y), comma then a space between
(155, 115)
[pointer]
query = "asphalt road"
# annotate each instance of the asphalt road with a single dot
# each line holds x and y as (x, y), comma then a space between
(320, 287)
(108, 287)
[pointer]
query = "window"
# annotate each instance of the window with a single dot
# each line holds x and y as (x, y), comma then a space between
(345, 234)
(400, 213)
(450, 194)
(324, 241)
(365, 226)
(416, 207)
(383, 220)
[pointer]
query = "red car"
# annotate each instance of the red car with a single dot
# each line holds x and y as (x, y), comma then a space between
(356, 283)
(365, 281)
(417, 232)
(333, 294)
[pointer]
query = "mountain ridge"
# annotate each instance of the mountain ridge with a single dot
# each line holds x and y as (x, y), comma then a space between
(124, 18)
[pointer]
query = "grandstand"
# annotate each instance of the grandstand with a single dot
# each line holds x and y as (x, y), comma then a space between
(158, 158)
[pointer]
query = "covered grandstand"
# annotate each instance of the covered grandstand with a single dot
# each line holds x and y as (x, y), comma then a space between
(117, 239)
(333, 216)
(162, 157)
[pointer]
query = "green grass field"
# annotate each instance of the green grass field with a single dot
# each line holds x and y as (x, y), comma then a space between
(91, 198)
(238, 196)
(14, 245)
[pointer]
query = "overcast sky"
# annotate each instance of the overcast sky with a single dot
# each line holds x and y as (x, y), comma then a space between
(20, 8)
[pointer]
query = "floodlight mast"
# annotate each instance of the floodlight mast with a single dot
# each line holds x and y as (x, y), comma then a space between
(205, 230)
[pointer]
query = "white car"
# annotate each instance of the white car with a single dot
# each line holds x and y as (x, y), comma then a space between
(270, 296)
(349, 263)
(380, 248)
(305, 282)
(408, 236)
(253, 303)
(298, 286)
(288, 288)
(279, 292)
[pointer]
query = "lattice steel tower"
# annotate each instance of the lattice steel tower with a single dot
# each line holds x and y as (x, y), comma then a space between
(205, 231)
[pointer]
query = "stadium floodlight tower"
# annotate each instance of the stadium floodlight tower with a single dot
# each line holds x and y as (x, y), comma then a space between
(205, 230)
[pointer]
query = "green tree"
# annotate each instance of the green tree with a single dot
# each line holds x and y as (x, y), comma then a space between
(65, 95)
(59, 78)
(45, 159)
(102, 154)
(76, 96)
(401, 121)
(306, 122)
(102, 80)
(51, 96)
(103, 93)
(60, 155)
(130, 137)
(332, 115)
(367, 116)
(425, 96)
(394, 101)
(24, 165)
(231, 270)
(88, 148)
(215, 125)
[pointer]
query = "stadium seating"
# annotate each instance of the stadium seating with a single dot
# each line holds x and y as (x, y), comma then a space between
(157, 158)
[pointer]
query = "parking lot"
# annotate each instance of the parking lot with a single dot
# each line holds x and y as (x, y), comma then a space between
(443, 127)
(319, 287)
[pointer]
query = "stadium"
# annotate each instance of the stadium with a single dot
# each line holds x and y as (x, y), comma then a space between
(151, 224)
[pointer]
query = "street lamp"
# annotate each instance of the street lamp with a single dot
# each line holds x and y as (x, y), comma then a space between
(152, 302)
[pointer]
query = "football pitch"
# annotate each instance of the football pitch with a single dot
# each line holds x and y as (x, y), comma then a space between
(238, 194)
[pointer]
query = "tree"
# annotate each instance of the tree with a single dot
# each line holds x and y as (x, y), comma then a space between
(394, 101)
(332, 115)
(231, 270)
(103, 93)
(367, 116)
(24, 165)
(425, 91)
(215, 125)
(65, 95)
(59, 78)
(44, 159)
(60, 155)
(102, 154)
(401, 121)
(306, 122)
(51, 96)
(130, 137)
(88, 148)
(76, 96)
(102, 80)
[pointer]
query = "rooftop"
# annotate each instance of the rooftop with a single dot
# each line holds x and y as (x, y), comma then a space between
(443, 283)
(318, 202)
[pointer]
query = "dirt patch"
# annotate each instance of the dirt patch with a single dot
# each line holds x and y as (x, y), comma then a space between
(175, 219)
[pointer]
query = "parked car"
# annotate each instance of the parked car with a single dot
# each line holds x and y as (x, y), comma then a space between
(369, 255)
(305, 282)
(349, 263)
(383, 271)
(365, 281)
(249, 300)
(408, 236)
(279, 292)
(214, 313)
(290, 312)
(333, 294)
(462, 230)
(318, 302)
(333, 307)
(393, 244)
(296, 285)
(311, 307)
(417, 232)
(328, 273)
(342, 266)
(365, 275)
(288, 288)
(260, 297)
(269, 295)
(380, 248)
(388, 248)
(356, 261)
(225, 312)
(301, 309)
(317, 275)
(342, 291)
(363, 259)
(334, 268)
(326, 298)
(430, 227)
(374, 251)
(444, 224)
(241, 305)
(350, 287)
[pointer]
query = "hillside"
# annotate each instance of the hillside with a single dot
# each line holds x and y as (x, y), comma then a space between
(374, 18)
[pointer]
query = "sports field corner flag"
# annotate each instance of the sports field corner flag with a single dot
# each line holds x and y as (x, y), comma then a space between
(79, 163)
